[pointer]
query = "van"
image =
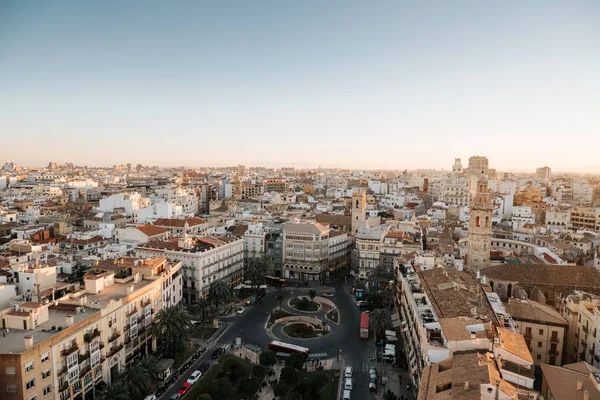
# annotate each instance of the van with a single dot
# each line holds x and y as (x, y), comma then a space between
(348, 372)
(348, 384)
(346, 395)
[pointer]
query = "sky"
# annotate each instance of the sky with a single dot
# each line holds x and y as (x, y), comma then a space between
(363, 84)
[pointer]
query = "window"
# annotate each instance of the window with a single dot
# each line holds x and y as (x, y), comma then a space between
(45, 374)
(47, 390)
(30, 384)
(45, 357)
(539, 344)
(11, 389)
(10, 371)
(541, 331)
(539, 356)
(29, 366)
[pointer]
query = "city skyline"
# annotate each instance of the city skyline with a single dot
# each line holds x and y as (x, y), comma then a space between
(377, 85)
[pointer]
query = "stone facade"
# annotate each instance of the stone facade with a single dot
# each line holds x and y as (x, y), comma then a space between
(480, 228)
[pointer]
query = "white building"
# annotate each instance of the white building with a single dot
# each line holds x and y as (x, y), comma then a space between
(522, 215)
(583, 194)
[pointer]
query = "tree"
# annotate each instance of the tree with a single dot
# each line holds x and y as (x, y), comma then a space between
(312, 293)
(221, 389)
(379, 321)
(136, 380)
(295, 360)
(198, 309)
(149, 364)
(280, 388)
(248, 385)
(258, 371)
(279, 298)
(172, 328)
(289, 375)
(204, 396)
(115, 391)
(294, 396)
(218, 293)
(268, 358)
(389, 395)
(256, 269)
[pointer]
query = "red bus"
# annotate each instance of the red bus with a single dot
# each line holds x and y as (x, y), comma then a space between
(364, 325)
(282, 347)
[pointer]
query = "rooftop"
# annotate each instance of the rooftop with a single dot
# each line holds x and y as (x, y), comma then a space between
(551, 275)
(562, 381)
(533, 311)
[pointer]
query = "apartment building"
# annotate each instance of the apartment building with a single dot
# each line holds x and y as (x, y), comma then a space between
(280, 185)
(445, 311)
(586, 218)
(543, 328)
(204, 260)
(187, 226)
(339, 245)
(583, 194)
(578, 381)
(367, 250)
(305, 251)
(62, 348)
(588, 332)
(558, 219)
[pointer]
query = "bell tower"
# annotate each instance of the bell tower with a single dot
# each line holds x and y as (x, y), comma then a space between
(480, 227)
(359, 210)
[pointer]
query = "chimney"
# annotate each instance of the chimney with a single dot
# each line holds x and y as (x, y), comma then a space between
(579, 384)
(586, 395)
(28, 342)
(69, 320)
(130, 289)
(466, 385)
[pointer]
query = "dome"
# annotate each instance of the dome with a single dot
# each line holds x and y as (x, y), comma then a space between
(482, 179)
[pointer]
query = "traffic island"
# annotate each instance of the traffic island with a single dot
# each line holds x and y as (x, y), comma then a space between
(304, 304)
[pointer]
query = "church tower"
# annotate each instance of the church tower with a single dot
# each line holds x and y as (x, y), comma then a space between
(480, 227)
(359, 210)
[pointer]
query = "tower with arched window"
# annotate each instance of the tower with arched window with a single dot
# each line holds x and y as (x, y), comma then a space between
(480, 227)
(359, 210)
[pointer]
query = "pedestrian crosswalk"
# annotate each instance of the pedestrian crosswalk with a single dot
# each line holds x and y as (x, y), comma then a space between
(319, 290)
(359, 365)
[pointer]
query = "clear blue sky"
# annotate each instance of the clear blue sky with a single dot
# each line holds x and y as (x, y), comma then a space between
(370, 84)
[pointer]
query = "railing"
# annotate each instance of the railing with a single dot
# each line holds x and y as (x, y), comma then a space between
(84, 371)
(585, 329)
(554, 340)
(69, 350)
(114, 337)
(88, 337)
(131, 312)
(63, 370)
(528, 335)
(146, 302)
(84, 356)
(553, 352)
(114, 350)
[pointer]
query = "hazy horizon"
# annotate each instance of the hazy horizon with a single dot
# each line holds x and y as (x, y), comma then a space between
(347, 84)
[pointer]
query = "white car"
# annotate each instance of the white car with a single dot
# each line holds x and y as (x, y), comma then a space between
(194, 377)
(150, 397)
(240, 310)
(348, 384)
(348, 372)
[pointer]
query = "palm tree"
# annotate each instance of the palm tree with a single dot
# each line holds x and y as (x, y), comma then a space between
(150, 364)
(312, 293)
(279, 298)
(115, 391)
(218, 293)
(198, 309)
(172, 328)
(136, 380)
(257, 268)
(379, 321)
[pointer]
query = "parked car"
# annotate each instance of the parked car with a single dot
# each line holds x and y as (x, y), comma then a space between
(258, 302)
(175, 396)
(204, 367)
(184, 389)
(217, 353)
(240, 310)
(348, 372)
(194, 377)
(202, 349)
(346, 395)
(361, 304)
(348, 384)
(150, 397)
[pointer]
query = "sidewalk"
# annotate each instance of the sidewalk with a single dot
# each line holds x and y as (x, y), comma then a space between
(267, 392)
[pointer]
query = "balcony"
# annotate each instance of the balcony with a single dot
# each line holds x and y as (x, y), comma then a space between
(114, 337)
(554, 340)
(584, 344)
(585, 329)
(146, 302)
(69, 350)
(88, 337)
(84, 371)
(527, 335)
(131, 312)
(63, 370)
(64, 386)
(84, 356)
(553, 352)
(114, 350)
